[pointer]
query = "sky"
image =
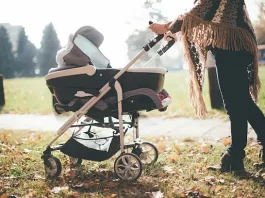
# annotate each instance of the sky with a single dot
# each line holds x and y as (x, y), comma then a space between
(115, 19)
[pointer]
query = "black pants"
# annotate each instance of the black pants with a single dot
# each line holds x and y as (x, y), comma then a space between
(241, 109)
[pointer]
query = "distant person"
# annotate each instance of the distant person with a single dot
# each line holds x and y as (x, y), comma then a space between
(224, 28)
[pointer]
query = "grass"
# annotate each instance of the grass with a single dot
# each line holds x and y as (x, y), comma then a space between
(179, 172)
(32, 96)
(27, 95)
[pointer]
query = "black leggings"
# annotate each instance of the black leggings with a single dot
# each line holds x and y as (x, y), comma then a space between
(241, 109)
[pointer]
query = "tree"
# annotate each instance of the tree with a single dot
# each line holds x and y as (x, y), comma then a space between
(6, 54)
(25, 53)
(260, 26)
(50, 44)
(138, 38)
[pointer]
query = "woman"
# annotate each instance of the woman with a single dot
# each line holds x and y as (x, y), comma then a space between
(224, 27)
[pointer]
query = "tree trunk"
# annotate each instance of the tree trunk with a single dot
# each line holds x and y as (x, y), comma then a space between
(215, 94)
(2, 94)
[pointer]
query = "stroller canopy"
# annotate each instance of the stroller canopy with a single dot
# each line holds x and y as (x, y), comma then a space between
(83, 49)
(91, 34)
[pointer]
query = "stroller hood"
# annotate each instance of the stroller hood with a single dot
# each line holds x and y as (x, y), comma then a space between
(92, 34)
(81, 48)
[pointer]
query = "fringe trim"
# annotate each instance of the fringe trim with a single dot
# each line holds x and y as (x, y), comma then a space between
(195, 95)
(256, 87)
(206, 33)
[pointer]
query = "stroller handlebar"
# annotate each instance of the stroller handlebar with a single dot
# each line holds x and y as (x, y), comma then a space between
(154, 41)
(158, 38)
(166, 47)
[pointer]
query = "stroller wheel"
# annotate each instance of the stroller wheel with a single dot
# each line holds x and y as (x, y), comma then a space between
(75, 162)
(147, 153)
(53, 166)
(128, 167)
(58, 109)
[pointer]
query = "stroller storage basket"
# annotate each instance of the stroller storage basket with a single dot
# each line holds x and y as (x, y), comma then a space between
(74, 148)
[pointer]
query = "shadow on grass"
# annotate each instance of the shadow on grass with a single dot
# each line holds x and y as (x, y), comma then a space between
(104, 182)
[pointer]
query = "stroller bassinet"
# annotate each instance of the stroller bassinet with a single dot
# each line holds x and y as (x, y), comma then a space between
(74, 83)
(85, 83)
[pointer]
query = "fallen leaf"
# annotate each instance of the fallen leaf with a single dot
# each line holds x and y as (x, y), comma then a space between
(7, 147)
(111, 184)
(161, 147)
(205, 148)
(58, 189)
(169, 169)
(27, 151)
(195, 188)
(172, 158)
(72, 173)
(157, 194)
(227, 141)
(36, 176)
(234, 189)
(177, 147)
(168, 149)
(217, 188)
(72, 196)
(263, 175)
(6, 135)
(182, 194)
(210, 179)
(86, 184)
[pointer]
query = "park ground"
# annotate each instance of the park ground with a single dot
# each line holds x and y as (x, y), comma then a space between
(179, 172)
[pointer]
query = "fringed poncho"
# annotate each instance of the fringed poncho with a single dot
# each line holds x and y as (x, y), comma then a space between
(210, 24)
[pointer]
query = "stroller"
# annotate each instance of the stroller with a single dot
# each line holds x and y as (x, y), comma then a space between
(85, 83)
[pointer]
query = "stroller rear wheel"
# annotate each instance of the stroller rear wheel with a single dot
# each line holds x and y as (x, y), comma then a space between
(53, 166)
(147, 153)
(128, 167)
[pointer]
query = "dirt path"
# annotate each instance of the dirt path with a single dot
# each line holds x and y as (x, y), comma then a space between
(177, 127)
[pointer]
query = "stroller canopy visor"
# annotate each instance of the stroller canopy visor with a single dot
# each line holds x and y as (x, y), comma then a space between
(83, 49)
(92, 51)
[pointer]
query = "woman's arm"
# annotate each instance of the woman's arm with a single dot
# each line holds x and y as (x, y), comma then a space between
(175, 26)
(199, 8)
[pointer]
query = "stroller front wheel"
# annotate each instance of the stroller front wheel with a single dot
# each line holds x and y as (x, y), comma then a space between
(147, 153)
(53, 166)
(128, 167)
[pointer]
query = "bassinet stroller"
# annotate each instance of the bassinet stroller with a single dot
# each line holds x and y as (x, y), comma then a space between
(85, 83)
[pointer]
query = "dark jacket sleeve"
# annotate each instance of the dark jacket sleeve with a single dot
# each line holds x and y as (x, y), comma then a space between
(175, 26)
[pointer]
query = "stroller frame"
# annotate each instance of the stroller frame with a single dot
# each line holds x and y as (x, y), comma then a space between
(127, 166)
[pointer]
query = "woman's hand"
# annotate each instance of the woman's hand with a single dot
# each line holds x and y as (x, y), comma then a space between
(159, 28)
(169, 36)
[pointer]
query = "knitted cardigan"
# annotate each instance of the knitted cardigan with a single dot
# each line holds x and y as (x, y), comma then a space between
(210, 24)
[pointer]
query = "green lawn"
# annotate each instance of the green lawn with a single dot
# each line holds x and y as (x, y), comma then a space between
(32, 96)
(179, 172)
(27, 95)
